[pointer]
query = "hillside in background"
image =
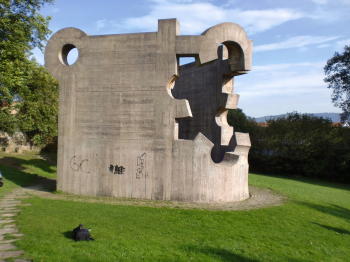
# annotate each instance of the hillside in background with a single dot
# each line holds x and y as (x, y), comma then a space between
(334, 117)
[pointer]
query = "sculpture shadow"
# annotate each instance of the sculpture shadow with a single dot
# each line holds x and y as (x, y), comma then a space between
(331, 209)
(335, 229)
(21, 164)
(68, 234)
(229, 256)
(13, 169)
(311, 181)
(218, 253)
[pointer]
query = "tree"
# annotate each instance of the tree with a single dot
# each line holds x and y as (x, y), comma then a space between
(22, 28)
(300, 144)
(38, 110)
(240, 121)
(337, 72)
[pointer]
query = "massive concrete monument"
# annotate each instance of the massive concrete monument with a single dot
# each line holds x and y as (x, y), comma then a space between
(133, 123)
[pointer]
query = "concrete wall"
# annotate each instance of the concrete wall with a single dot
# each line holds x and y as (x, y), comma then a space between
(132, 124)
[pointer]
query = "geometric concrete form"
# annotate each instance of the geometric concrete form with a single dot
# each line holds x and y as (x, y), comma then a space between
(133, 123)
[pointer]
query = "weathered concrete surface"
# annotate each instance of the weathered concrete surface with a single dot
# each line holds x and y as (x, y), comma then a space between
(132, 125)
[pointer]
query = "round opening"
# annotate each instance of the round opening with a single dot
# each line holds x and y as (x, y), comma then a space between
(69, 54)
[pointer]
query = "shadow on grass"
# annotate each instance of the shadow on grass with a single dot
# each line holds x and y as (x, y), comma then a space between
(21, 164)
(331, 209)
(12, 170)
(296, 260)
(68, 234)
(335, 229)
(219, 253)
(50, 157)
(312, 181)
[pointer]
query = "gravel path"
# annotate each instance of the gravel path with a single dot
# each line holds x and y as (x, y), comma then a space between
(259, 198)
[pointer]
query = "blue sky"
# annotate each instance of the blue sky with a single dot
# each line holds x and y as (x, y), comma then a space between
(292, 40)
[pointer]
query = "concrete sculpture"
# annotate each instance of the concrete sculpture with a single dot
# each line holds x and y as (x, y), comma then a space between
(133, 123)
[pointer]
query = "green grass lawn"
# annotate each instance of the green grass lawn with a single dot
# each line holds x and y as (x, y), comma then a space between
(313, 225)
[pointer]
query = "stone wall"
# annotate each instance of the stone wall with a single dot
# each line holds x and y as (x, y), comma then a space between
(15, 143)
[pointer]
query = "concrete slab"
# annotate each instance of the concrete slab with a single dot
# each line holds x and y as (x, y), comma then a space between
(7, 246)
(6, 221)
(9, 210)
(10, 254)
(7, 241)
(8, 215)
(8, 231)
(9, 226)
(9, 205)
(17, 235)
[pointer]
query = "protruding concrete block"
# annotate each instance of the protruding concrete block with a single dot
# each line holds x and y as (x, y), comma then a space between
(133, 123)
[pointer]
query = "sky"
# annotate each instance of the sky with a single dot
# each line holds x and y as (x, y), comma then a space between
(292, 41)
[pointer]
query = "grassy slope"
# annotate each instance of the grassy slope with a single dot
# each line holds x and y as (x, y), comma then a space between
(313, 226)
(23, 170)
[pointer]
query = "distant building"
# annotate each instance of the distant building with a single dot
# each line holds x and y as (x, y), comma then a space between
(337, 124)
(263, 124)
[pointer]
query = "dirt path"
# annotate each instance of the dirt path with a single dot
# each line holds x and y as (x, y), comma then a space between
(260, 198)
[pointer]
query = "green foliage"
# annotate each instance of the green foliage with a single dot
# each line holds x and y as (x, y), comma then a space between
(303, 145)
(37, 115)
(297, 145)
(8, 122)
(23, 83)
(337, 72)
(21, 29)
(240, 121)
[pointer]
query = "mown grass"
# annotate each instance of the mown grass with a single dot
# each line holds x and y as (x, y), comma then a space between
(313, 225)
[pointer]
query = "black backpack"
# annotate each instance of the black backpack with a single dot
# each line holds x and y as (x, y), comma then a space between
(80, 233)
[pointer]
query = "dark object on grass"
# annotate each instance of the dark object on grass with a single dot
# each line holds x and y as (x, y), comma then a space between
(1, 181)
(80, 233)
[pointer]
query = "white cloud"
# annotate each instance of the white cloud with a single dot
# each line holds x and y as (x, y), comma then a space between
(100, 24)
(262, 20)
(284, 79)
(323, 45)
(288, 84)
(295, 42)
(330, 11)
(324, 2)
(320, 2)
(341, 43)
(280, 88)
(195, 17)
(283, 67)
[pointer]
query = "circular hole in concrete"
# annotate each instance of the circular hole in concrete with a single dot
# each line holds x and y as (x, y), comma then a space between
(69, 54)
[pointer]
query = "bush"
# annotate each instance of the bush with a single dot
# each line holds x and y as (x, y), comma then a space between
(299, 144)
